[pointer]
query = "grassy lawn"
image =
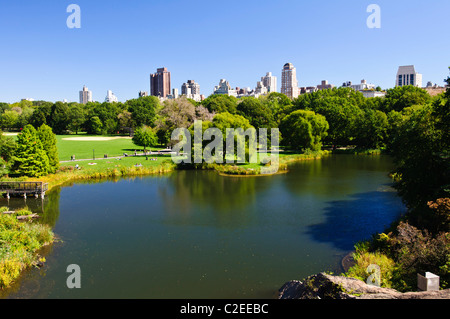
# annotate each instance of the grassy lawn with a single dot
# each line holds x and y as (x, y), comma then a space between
(85, 149)
(101, 165)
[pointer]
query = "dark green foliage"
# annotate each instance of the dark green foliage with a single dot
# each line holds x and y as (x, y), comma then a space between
(372, 129)
(59, 117)
(94, 125)
(401, 97)
(421, 155)
(145, 136)
(221, 103)
(29, 158)
(258, 114)
(7, 147)
(77, 117)
(304, 130)
(143, 110)
(48, 140)
(41, 114)
(341, 110)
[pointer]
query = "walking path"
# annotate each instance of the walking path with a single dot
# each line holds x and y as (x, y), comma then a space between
(122, 156)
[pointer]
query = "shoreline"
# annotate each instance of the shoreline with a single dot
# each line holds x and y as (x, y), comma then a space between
(61, 178)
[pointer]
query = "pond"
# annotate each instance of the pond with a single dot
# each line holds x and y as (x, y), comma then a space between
(196, 234)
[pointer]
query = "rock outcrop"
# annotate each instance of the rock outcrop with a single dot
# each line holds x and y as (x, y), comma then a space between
(323, 286)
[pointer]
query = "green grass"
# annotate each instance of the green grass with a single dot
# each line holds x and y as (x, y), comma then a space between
(110, 168)
(87, 149)
(113, 163)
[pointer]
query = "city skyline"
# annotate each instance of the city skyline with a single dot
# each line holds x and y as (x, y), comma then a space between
(46, 60)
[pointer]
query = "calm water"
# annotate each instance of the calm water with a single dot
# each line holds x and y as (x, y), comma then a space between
(195, 234)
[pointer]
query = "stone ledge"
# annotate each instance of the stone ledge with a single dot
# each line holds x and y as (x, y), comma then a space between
(323, 286)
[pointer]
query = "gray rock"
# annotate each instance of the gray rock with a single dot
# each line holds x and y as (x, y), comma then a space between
(323, 286)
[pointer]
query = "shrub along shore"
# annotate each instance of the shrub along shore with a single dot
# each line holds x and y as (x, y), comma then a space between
(20, 242)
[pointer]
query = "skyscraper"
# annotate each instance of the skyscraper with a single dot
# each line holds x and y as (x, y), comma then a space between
(110, 97)
(270, 82)
(289, 83)
(407, 75)
(85, 95)
(192, 86)
(224, 88)
(160, 83)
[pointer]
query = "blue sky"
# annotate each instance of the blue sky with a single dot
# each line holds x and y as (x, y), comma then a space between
(121, 42)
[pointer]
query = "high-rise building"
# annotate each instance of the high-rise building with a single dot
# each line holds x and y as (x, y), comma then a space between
(85, 95)
(289, 83)
(194, 88)
(325, 85)
(160, 83)
(407, 75)
(270, 82)
(110, 97)
(143, 93)
(224, 88)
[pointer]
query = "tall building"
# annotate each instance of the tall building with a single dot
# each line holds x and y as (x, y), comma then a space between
(325, 85)
(289, 83)
(160, 83)
(190, 88)
(270, 82)
(224, 88)
(143, 93)
(85, 95)
(407, 75)
(110, 97)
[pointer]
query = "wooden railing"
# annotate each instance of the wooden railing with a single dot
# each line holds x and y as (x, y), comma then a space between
(23, 187)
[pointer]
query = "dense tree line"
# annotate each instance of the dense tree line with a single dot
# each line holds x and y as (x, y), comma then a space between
(334, 117)
(418, 137)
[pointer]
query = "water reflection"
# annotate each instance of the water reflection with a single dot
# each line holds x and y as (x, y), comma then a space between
(190, 196)
(357, 218)
(184, 234)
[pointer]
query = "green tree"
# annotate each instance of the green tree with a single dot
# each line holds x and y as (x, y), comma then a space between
(41, 114)
(94, 126)
(258, 114)
(48, 140)
(25, 116)
(421, 153)
(340, 108)
(372, 129)
(9, 119)
(77, 117)
(219, 103)
(224, 121)
(401, 97)
(304, 130)
(145, 136)
(7, 147)
(279, 104)
(143, 110)
(107, 113)
(59, 117)
(30, 158)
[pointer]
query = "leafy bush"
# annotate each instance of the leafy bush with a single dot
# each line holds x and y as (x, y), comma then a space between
(365, 259)
(19, 242)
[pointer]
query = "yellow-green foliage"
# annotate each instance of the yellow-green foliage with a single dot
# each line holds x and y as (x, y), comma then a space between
(19, 242)
(364, 259)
